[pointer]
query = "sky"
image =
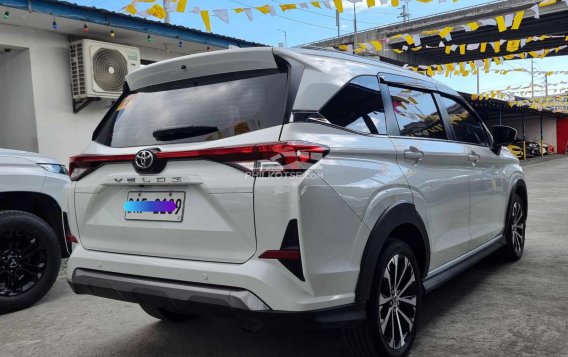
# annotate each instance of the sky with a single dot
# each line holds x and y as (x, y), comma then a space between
(303, 26)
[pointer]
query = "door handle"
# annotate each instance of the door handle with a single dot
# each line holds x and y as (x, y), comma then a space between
(412, 153)
(473, 157)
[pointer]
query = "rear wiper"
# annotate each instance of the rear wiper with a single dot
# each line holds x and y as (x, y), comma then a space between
(183, 132)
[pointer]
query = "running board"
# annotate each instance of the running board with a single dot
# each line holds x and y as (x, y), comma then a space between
(446, 272)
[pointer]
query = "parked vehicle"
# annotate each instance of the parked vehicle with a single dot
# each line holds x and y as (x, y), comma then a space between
(550, 148)
(516, 150)
(31, 227)
(302, 186)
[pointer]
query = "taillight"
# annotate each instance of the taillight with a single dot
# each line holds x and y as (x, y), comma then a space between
(260, 159)
(81, 165)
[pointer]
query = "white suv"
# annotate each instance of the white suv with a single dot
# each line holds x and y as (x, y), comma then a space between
(290, 185)
(32, 232)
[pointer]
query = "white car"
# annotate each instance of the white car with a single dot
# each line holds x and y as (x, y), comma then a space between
(290, 185)
(32, 234)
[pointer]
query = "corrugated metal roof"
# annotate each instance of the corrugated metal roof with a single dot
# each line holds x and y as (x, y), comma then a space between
(119, 20)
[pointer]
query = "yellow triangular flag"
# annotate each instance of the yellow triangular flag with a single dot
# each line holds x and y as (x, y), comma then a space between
(517, 20)
(377, 45)
(473, 26)
(445, 31)
(316, 4)
(131, 9)
(395, 3)
(157, 11)
(338, 5)
(546, 3)
(482, 47)
(206, 20)
(286, 7)
(265, 9)
(370, 3)
(501, 23)
(181, 5)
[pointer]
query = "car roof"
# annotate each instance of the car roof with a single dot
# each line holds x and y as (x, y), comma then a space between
(258, 58)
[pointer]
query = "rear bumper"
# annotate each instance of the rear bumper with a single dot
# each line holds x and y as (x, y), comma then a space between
(201, 298)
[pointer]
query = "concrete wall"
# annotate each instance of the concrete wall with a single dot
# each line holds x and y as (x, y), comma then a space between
(17, 113)
(532, 128)
(60, 133)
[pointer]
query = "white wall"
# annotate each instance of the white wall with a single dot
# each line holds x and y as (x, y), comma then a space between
(17, 115)
(60, 132)
(532, 128)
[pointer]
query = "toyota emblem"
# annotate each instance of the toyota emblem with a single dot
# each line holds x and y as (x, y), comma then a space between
(144, 159)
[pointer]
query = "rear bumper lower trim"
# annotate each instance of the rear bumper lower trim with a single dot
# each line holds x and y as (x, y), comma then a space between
(208, 299)
(136, 289)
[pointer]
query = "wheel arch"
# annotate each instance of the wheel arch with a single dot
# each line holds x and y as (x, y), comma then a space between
(402, 219)
(519, 187)
(41, 205)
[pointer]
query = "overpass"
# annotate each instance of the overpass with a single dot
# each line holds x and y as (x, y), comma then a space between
(553, 22)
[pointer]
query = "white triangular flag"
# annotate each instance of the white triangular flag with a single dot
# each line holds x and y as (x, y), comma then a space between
(441, 44)
(248, 11)
(327, 4)
(304, 5)
(536, 11)
(509, 20)
(472, 46)
(416, 39)
(223, 15)
(454, 47)
(488, 22)
(195, 10)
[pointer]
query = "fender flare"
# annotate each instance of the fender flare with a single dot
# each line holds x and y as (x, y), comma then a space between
(519, 182)
(393, 217)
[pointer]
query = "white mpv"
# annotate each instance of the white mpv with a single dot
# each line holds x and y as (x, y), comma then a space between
(290, 185)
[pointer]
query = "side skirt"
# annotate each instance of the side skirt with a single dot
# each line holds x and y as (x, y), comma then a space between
(446, 272)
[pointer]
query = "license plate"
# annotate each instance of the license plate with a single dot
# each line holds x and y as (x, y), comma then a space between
(175, 216)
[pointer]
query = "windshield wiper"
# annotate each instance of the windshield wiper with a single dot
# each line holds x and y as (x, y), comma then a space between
(183, 132)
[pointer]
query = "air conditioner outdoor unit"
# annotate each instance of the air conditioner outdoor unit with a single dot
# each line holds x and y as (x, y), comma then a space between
(98, 69)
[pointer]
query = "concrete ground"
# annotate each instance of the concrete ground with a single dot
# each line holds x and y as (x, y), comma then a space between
(494, 309)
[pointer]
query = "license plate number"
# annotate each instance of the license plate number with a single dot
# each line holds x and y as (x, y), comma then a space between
(140, 196)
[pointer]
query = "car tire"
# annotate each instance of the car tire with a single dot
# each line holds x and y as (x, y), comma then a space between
(516, 227)
(30, 259)
(165, 314)
(378, 335)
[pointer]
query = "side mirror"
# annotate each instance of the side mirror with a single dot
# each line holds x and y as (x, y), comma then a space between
(503, 135)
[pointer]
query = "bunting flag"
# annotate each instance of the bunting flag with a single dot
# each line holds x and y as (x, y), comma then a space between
(206, 20)
(510, 21)
(459, 68)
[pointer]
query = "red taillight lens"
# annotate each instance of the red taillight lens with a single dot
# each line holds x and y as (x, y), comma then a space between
(71, 238)
(293, 255)
(81, 165)
(261, 159)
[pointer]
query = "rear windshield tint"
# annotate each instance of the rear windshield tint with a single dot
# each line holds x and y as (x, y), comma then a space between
(197, 113)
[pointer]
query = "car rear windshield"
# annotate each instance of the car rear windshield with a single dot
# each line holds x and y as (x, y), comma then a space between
(196, 112)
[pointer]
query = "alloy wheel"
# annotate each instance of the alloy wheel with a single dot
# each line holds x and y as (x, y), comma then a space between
(397, 302)
(23, 261)
(518, 227)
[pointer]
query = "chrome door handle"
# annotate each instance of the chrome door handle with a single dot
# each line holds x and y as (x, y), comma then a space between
(473, 158)
(413, 153)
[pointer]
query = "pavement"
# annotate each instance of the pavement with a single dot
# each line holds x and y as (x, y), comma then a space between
(493, 309)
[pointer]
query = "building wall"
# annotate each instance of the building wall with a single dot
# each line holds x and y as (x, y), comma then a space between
(60, 133)
(17, 115)
(532, 128)
(562, 134)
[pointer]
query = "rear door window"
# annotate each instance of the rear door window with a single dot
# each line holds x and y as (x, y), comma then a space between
(417, 114)
(196, 113)
(358, 106)
(467, 127)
